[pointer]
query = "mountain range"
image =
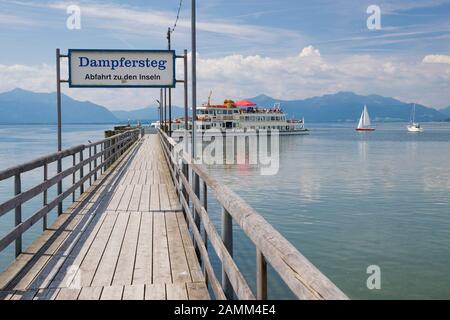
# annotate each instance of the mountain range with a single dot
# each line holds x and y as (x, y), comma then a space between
(145, 114)
(347, 107)
(445, 111)
(21, 106)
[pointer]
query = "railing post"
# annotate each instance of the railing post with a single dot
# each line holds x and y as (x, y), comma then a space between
(102, 157)
(196, 181)
(90, 166)
(81, 173)
(227, 238)
(106, 155)
(73, 176)
(205, 236)
(196, 187)
(205, 205)
(45, 197)
(59, 188)
(95, 163)
(186, 175)
(18, 212)
(114, 143)
(122, 144)
(261, 276)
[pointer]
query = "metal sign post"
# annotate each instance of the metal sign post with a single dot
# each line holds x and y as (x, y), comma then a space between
(59, 119)
(195, 177)
(170, 90)
(194, 76)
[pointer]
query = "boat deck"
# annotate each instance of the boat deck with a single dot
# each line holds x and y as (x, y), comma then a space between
(124, 238)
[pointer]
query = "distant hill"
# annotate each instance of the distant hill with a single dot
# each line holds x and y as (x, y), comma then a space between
(445, 111)
(21, 106)
(145, 114)
(347, 106)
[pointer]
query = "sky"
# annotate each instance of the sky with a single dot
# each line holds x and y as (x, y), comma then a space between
(287, 49)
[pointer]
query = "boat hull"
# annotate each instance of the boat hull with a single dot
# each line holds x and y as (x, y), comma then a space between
(415, 129)
(250, 133)
(364, 129)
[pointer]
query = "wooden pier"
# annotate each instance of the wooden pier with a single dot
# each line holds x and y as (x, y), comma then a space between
(134, 232)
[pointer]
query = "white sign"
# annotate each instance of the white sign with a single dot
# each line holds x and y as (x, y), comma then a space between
(121, 68)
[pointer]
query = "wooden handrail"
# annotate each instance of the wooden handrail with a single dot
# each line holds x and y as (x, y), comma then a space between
(39, 162)
(238, 281)
(111, 149)
(299, 274)
(31, 193)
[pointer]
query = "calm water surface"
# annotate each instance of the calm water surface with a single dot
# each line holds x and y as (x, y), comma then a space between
(348, 200)
(21, 143)
(345, 200)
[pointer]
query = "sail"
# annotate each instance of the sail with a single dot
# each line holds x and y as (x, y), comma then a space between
(361, 121)
(366, 122)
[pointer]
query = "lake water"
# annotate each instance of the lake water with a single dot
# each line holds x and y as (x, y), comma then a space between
(346, 200)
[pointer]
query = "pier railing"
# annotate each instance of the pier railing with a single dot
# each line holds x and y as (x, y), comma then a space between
(101, 155)
(300, 275)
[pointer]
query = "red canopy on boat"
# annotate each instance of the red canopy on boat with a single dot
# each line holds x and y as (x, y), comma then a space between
(244, 103)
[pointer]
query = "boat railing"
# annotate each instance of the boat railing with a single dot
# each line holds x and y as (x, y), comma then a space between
(94, 157)
(299, 274)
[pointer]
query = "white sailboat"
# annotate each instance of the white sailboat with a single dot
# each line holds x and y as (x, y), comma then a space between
(364, 123)
(414, 126)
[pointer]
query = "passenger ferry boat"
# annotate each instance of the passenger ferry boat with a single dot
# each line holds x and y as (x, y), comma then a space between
(241, 117)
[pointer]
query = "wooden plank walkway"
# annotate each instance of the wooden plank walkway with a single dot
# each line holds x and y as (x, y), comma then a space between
(124, 238)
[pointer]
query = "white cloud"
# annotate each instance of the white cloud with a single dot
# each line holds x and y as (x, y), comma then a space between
(310, 51)
(389, 68)
(291, 77)
(40, 78)
(436, 58)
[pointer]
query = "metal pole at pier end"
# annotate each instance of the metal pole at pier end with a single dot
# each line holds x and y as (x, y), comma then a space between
(58, 110)
(195, 177)
(165, 110)
(160, 108)
(194, 77)
(170, 89)
(186, 103)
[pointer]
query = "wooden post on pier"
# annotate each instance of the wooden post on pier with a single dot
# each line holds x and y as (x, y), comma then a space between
(205, 234)
(261, 276)
(81, 173)
(18, 212)
(45, 197)
(227, 238)
(74, 161)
